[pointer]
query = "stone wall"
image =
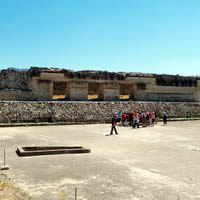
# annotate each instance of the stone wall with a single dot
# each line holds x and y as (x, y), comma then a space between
(17, 85)
(20, 95)
(165, 97)
(11, 78)
(97, 112)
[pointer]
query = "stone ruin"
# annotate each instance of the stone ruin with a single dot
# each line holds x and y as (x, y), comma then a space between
(45, 84)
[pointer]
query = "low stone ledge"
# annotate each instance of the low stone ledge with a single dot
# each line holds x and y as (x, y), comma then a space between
(50, 150)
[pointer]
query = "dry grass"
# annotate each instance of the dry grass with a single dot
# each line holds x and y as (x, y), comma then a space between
(8, 191)
(58, 96)
(90, 96)
(124, 96)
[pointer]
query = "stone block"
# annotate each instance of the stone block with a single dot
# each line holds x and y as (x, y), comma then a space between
(109, 91)
(5, 167)
(78, 91)
(111, 95)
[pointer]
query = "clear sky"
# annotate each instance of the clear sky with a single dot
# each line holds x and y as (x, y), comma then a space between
(151, 36)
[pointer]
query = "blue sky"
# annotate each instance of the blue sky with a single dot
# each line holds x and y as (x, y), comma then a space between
(150, 36)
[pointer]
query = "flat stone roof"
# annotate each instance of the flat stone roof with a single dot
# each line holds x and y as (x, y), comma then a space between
(91, 74)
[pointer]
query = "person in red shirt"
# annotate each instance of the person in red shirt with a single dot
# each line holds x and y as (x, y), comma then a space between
(131, 119)
(123, 118)
(150, 118)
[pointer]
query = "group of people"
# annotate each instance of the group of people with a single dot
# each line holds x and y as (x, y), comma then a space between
(135, 119)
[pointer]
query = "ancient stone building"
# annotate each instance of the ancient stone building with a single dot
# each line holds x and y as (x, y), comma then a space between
(50, 83)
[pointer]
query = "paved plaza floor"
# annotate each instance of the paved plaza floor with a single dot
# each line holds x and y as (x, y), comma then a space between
(155, 163)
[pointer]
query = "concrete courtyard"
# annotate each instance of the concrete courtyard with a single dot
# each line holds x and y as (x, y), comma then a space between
(155, 163)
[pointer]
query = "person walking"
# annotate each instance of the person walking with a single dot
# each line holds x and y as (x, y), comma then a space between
(114, 121)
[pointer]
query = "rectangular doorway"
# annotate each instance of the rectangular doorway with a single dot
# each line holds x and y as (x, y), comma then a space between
(59, 90)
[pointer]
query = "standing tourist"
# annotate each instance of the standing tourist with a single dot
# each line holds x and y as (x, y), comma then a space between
(137, 120)
(144, 121)
(150, 118)
(164, 118)
(123, 118)
(147, 118)
(131, 119)
(134, 119)
(127, 120)
(114, 121)
(119, 116)
(153, 118)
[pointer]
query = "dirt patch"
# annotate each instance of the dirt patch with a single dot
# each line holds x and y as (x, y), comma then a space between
(8, 191)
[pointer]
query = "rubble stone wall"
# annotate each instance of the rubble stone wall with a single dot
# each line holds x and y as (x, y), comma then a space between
(97, 112)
